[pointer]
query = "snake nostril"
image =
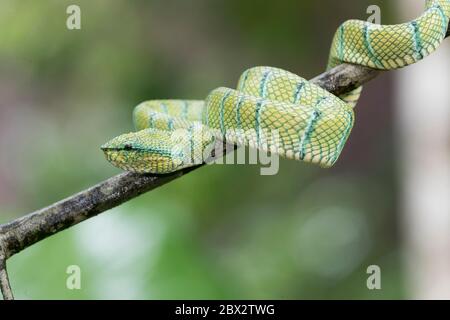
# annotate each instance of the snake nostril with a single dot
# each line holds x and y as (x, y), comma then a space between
(127, 147)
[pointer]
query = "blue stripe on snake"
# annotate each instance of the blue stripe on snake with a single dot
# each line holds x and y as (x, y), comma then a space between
(418, 47)
(185, 109)
(222, 108)
(369, 48)
(259, 106)
(444, 18)
(263, 84)
(191, 143)
(307, 134)
(298, 91)
(238, 113)
(341, 42)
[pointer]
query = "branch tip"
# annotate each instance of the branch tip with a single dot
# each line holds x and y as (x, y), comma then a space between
(5, 286)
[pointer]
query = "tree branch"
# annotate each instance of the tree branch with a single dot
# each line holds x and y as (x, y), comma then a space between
(27, 230)
(5, 287)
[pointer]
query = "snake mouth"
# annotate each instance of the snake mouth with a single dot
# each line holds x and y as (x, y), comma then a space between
(107, 147)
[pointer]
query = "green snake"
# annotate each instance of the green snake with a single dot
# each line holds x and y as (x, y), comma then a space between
(274, 110)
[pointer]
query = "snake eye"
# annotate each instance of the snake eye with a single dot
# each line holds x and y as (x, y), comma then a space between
(127, 147)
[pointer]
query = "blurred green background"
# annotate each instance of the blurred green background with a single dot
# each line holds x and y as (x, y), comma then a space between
(223, 231)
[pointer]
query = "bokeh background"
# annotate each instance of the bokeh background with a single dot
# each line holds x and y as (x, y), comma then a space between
(223, 231)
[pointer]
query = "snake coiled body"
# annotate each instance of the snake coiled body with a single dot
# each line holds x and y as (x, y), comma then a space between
(274, 110)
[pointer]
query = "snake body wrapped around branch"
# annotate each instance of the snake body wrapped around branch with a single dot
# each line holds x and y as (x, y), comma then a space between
(274, 110)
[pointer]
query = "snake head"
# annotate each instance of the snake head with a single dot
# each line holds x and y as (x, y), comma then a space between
(157, 151)
(144, 151)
